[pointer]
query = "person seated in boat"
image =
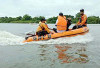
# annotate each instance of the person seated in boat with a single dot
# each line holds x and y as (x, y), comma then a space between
(69, 22)
(62, 23)
(82, 21)
(43, 28)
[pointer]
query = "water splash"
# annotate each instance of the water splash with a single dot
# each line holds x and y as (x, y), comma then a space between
(7, 38)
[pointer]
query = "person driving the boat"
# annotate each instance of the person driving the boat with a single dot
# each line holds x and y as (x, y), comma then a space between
(43, 28)
(62, 24)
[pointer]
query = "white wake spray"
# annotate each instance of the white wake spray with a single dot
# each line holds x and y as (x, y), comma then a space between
(7, 38)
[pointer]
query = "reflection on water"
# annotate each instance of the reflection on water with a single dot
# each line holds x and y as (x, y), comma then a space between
(43, 52)
(47, 54)
(70, 54)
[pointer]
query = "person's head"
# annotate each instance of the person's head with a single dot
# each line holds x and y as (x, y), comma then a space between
(61, 14)
(43, 20)
(82, 11)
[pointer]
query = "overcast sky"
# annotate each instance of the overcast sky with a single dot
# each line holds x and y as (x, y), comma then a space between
(48, 8)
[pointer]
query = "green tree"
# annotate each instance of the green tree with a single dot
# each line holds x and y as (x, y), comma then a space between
(18, 18)
(26, 17)
(52, 20)
(93, 20)
(37, 19)
(78, 15)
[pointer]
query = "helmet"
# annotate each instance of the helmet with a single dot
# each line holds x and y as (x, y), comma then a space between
(82, 10)
(61, 14)
(43, 19)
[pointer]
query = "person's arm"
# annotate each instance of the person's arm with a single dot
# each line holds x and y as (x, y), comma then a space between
(78, 23)
(44, 26)
(83, 22)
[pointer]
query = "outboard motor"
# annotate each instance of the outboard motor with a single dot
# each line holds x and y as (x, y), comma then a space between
(26, 37)
(30, 34)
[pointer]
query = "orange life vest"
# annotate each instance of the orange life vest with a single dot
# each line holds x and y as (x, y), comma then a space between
(83, 20)
(62, 23)
(44, 28)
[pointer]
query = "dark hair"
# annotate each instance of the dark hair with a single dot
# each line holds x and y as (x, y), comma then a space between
(82, 10)
(43, 19)
(61, 14)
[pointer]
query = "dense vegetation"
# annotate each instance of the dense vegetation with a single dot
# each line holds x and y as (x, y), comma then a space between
(28, 19)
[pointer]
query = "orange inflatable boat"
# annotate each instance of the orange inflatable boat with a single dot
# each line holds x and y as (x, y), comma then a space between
(71, 33)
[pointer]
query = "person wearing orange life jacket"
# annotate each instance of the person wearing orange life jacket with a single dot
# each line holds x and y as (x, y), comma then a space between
(43, 28)
(62, 23)
(83, 19)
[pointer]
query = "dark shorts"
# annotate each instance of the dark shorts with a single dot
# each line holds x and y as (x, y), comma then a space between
(76, 27)
(41, 33)
(68, 26)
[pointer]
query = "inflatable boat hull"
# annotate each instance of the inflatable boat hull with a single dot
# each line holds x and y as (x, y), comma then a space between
(71, 33)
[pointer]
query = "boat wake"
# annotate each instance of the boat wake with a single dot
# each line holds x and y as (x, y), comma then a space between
(7, 38)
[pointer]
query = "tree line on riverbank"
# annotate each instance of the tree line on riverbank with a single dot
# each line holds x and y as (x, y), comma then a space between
(28, 19)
